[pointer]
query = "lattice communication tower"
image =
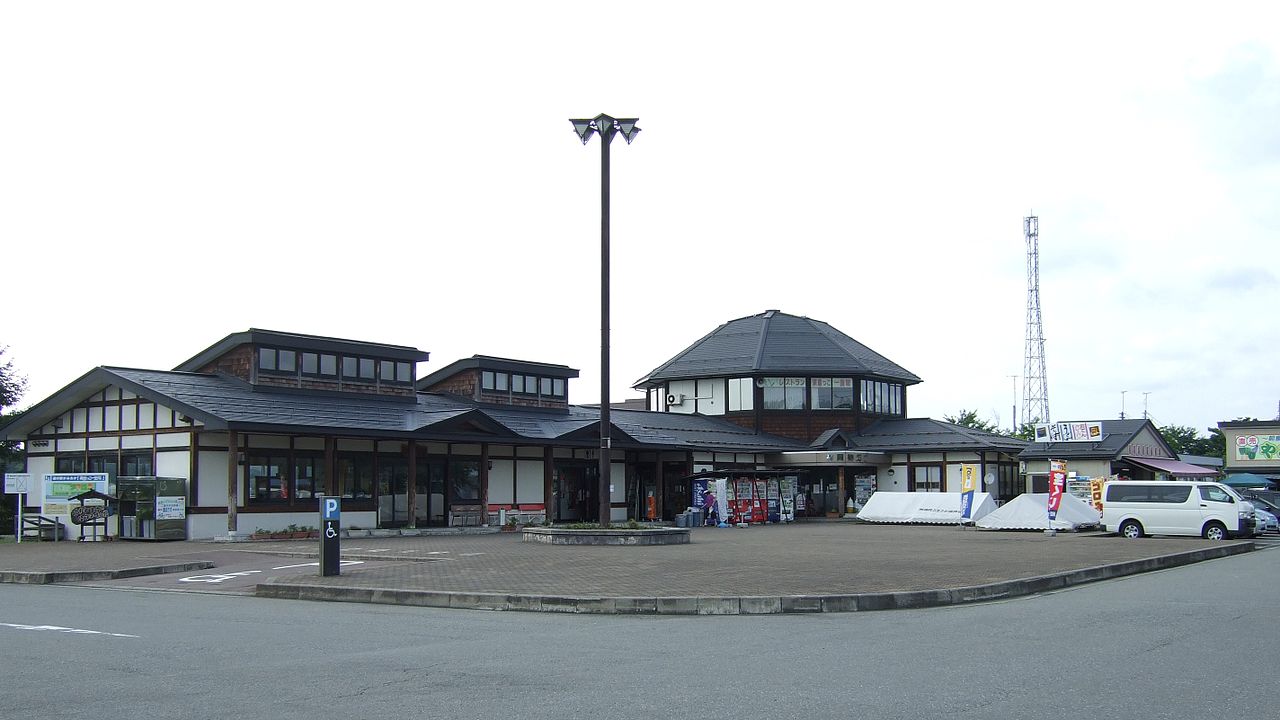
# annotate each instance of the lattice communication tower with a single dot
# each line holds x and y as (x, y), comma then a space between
(1035, 388)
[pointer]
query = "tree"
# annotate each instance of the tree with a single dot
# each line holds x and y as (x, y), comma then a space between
(1186, 441)
(1026, 431)
(12, 385)
(969, 419)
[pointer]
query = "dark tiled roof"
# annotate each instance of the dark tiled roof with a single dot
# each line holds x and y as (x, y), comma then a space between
(777, 343)
(1116, 434)
(229, 401)
(219, 402)
(923, 434)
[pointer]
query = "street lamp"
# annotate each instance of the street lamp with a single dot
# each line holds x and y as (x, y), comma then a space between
(606, 127)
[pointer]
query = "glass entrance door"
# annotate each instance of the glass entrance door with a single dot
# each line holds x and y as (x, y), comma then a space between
(576, 493)
(429, 504)
(393, 491)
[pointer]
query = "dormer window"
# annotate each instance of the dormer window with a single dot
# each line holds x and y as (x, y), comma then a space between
(282, 362)
(518, 384)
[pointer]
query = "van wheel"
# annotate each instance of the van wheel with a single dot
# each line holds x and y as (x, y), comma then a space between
(1131, 529)
(1215, 531)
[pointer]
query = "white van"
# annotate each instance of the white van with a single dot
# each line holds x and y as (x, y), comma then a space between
(1134, 508)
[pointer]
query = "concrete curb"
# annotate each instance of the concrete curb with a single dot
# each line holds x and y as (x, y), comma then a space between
(72, 576)
(744, 605)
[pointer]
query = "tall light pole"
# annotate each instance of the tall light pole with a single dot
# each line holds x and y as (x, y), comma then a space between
(606, 127)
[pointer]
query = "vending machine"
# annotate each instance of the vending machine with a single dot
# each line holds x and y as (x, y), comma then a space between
(742, 493)
(760, 502)
(775, 504)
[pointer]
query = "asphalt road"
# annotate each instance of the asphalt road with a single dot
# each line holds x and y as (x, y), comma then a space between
(1193, 642)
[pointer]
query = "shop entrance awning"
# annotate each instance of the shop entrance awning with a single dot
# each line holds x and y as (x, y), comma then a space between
(1176, 468)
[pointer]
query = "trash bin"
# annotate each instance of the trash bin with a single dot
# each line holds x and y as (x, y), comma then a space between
(695, 518)
(682, 520)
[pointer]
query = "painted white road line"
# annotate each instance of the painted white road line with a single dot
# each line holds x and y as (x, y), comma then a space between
(59, 628)
(317, 564)
(217, 578)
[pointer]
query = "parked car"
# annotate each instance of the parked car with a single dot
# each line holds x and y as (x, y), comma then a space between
(1264, 520)
(1271, 505)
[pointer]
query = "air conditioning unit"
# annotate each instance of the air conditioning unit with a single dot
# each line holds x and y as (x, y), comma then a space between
(675, 399)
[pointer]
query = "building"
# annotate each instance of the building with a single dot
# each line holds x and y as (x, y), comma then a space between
(1127, 449)
(1252, 446)
(803, 379)
(261, 423)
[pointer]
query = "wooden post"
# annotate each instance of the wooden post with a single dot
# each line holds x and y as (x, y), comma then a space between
(548, 472)
(840, 491)
(412, 501)
(233, 479)
(484, 484)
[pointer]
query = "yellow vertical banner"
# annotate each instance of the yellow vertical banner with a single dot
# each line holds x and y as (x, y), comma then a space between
(968, 483)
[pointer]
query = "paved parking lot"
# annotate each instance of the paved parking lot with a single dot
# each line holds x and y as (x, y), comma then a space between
(805, 558)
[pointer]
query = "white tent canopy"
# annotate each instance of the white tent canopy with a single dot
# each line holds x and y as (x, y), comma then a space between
(923, 507)
(1031, 512)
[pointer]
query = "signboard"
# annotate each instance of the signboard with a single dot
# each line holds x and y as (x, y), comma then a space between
(1264, 448)
(1068, 432)
(17, 483)
(969, 483)
(171, 507)
(330, 530)
(1057, 482)
(1095, 492)
(59, 488)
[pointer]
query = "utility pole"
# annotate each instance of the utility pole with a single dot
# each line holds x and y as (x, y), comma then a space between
(1122, 392)
(1144, 406)
(1015, 404)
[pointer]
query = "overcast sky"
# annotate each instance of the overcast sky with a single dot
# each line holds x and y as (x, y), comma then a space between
(171, 172)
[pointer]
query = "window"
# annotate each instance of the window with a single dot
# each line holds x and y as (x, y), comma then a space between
(741, 394)
(795, 393)
(928, 478)
(350, 367)
(784, 393)
(557, 387)
(268, 478)
(366, 369)
(544, 386)
(329, 365)
(136, 464)
(465, 476)
(308, 476)
(831, 393)
(69, 464)
(820, 393)
(1213, 494)
(310, 364)
(486, 380)
(1010, 485)
(842, 393)
(500, 382)
(404, 372)
(387, 371)
(881, 398)
(517, 383)
(355, 473)
(281, 362)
